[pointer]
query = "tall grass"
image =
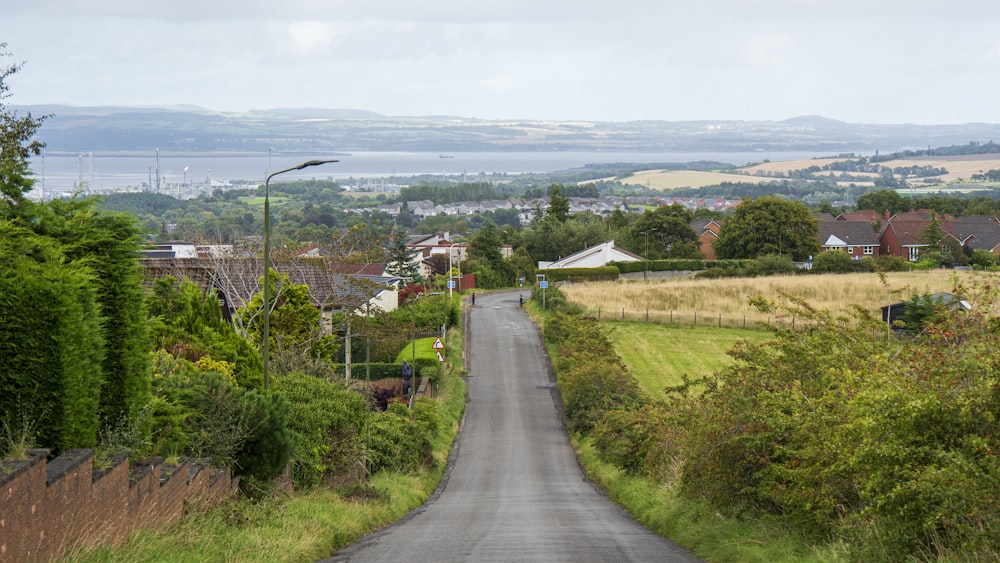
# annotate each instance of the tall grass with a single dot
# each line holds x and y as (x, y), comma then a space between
(730, 297)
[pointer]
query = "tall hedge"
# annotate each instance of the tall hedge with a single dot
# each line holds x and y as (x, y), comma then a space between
(109, 243)
(51, 345)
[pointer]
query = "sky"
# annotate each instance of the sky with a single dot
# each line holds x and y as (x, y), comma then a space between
(859, 61)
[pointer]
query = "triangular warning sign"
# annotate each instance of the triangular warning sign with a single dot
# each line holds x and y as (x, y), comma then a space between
(438, 345)
(440, 357)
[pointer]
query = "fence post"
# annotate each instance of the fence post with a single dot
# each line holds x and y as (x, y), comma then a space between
(695, 319)
(647, 314)
(598, 314)
(671, 316)
(623, 313)
(744, 321)
(720, 320)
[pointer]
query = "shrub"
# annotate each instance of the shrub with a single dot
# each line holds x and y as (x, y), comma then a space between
(982, 258)
(396, 442)
(267, 450)
(889, 263)
(834, 262)
(770, 265)
(326, 420)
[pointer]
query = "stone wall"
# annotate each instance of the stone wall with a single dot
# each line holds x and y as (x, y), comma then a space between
(47, 508)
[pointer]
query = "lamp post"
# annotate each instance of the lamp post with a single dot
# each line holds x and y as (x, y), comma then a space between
(267, 263)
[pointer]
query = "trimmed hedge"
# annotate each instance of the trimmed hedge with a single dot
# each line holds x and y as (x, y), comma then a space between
(677, 265)
(382, 370)
(603, 273)
(51, 350)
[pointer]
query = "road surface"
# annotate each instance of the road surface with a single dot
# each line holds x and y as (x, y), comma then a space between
(514, 490)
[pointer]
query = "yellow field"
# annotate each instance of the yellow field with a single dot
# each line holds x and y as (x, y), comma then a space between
(671, 179)
(729, 298)
(959, 168)
(789, 165)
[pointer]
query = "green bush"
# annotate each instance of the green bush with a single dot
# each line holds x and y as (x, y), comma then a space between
(591, 377)
(771, 265)
(982, 258)
(326, 420)
(397, 442)
(889, 263)
(267, 450)
(834, 262)
(51, 345)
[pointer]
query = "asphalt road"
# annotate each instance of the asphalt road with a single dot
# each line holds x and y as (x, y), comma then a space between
(514, 490)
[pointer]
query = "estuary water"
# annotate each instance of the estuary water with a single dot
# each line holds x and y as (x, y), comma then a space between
(59, 173)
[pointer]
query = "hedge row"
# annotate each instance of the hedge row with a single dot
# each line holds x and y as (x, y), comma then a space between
(677, 265)
(383, 370)
(604, 273)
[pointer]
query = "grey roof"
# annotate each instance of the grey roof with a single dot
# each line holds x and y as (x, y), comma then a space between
(853, 233)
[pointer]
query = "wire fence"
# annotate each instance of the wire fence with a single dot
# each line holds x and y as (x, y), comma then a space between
(695, 318)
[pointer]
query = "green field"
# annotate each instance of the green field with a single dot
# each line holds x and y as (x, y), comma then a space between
(658, 355)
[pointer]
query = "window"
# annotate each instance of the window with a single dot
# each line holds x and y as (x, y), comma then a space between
(850, 250)
(914, 253)
(869, 250)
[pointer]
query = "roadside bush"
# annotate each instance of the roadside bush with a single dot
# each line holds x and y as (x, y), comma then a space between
(554, 300)
(326, 420)
(592, 378)
(396, 442)
(269, 446)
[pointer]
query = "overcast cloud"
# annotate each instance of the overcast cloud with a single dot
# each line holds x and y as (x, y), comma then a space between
(862, 61)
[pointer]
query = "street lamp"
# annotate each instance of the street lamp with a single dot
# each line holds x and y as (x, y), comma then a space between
(267, 262)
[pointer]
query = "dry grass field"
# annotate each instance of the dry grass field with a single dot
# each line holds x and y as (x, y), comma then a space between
(728, 299)
(788, 165)
(671, 179)
(958, 167)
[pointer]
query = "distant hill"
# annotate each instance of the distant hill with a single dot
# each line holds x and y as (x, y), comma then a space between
(74, 129)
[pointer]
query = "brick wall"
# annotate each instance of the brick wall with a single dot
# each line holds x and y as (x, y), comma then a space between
(49, 507)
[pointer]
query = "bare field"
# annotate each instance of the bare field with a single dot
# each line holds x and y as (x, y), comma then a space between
(789, 165)
(958, 167)
(729, 298)
(671, 179)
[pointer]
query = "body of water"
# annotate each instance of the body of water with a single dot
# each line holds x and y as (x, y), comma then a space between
(63, 173)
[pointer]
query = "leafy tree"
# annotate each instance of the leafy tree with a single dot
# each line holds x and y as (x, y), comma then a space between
(769, 225)
(558, 208)
(933, 233)
(665, 232)
(16, 147)
(485, 245)
(883, 200)
(401, 259)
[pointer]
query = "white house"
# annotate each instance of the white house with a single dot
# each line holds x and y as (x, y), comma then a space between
(593, 257)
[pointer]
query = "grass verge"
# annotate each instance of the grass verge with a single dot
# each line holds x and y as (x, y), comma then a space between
(694, 526)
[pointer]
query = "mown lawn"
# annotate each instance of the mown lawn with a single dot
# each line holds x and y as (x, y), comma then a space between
(659, 355)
